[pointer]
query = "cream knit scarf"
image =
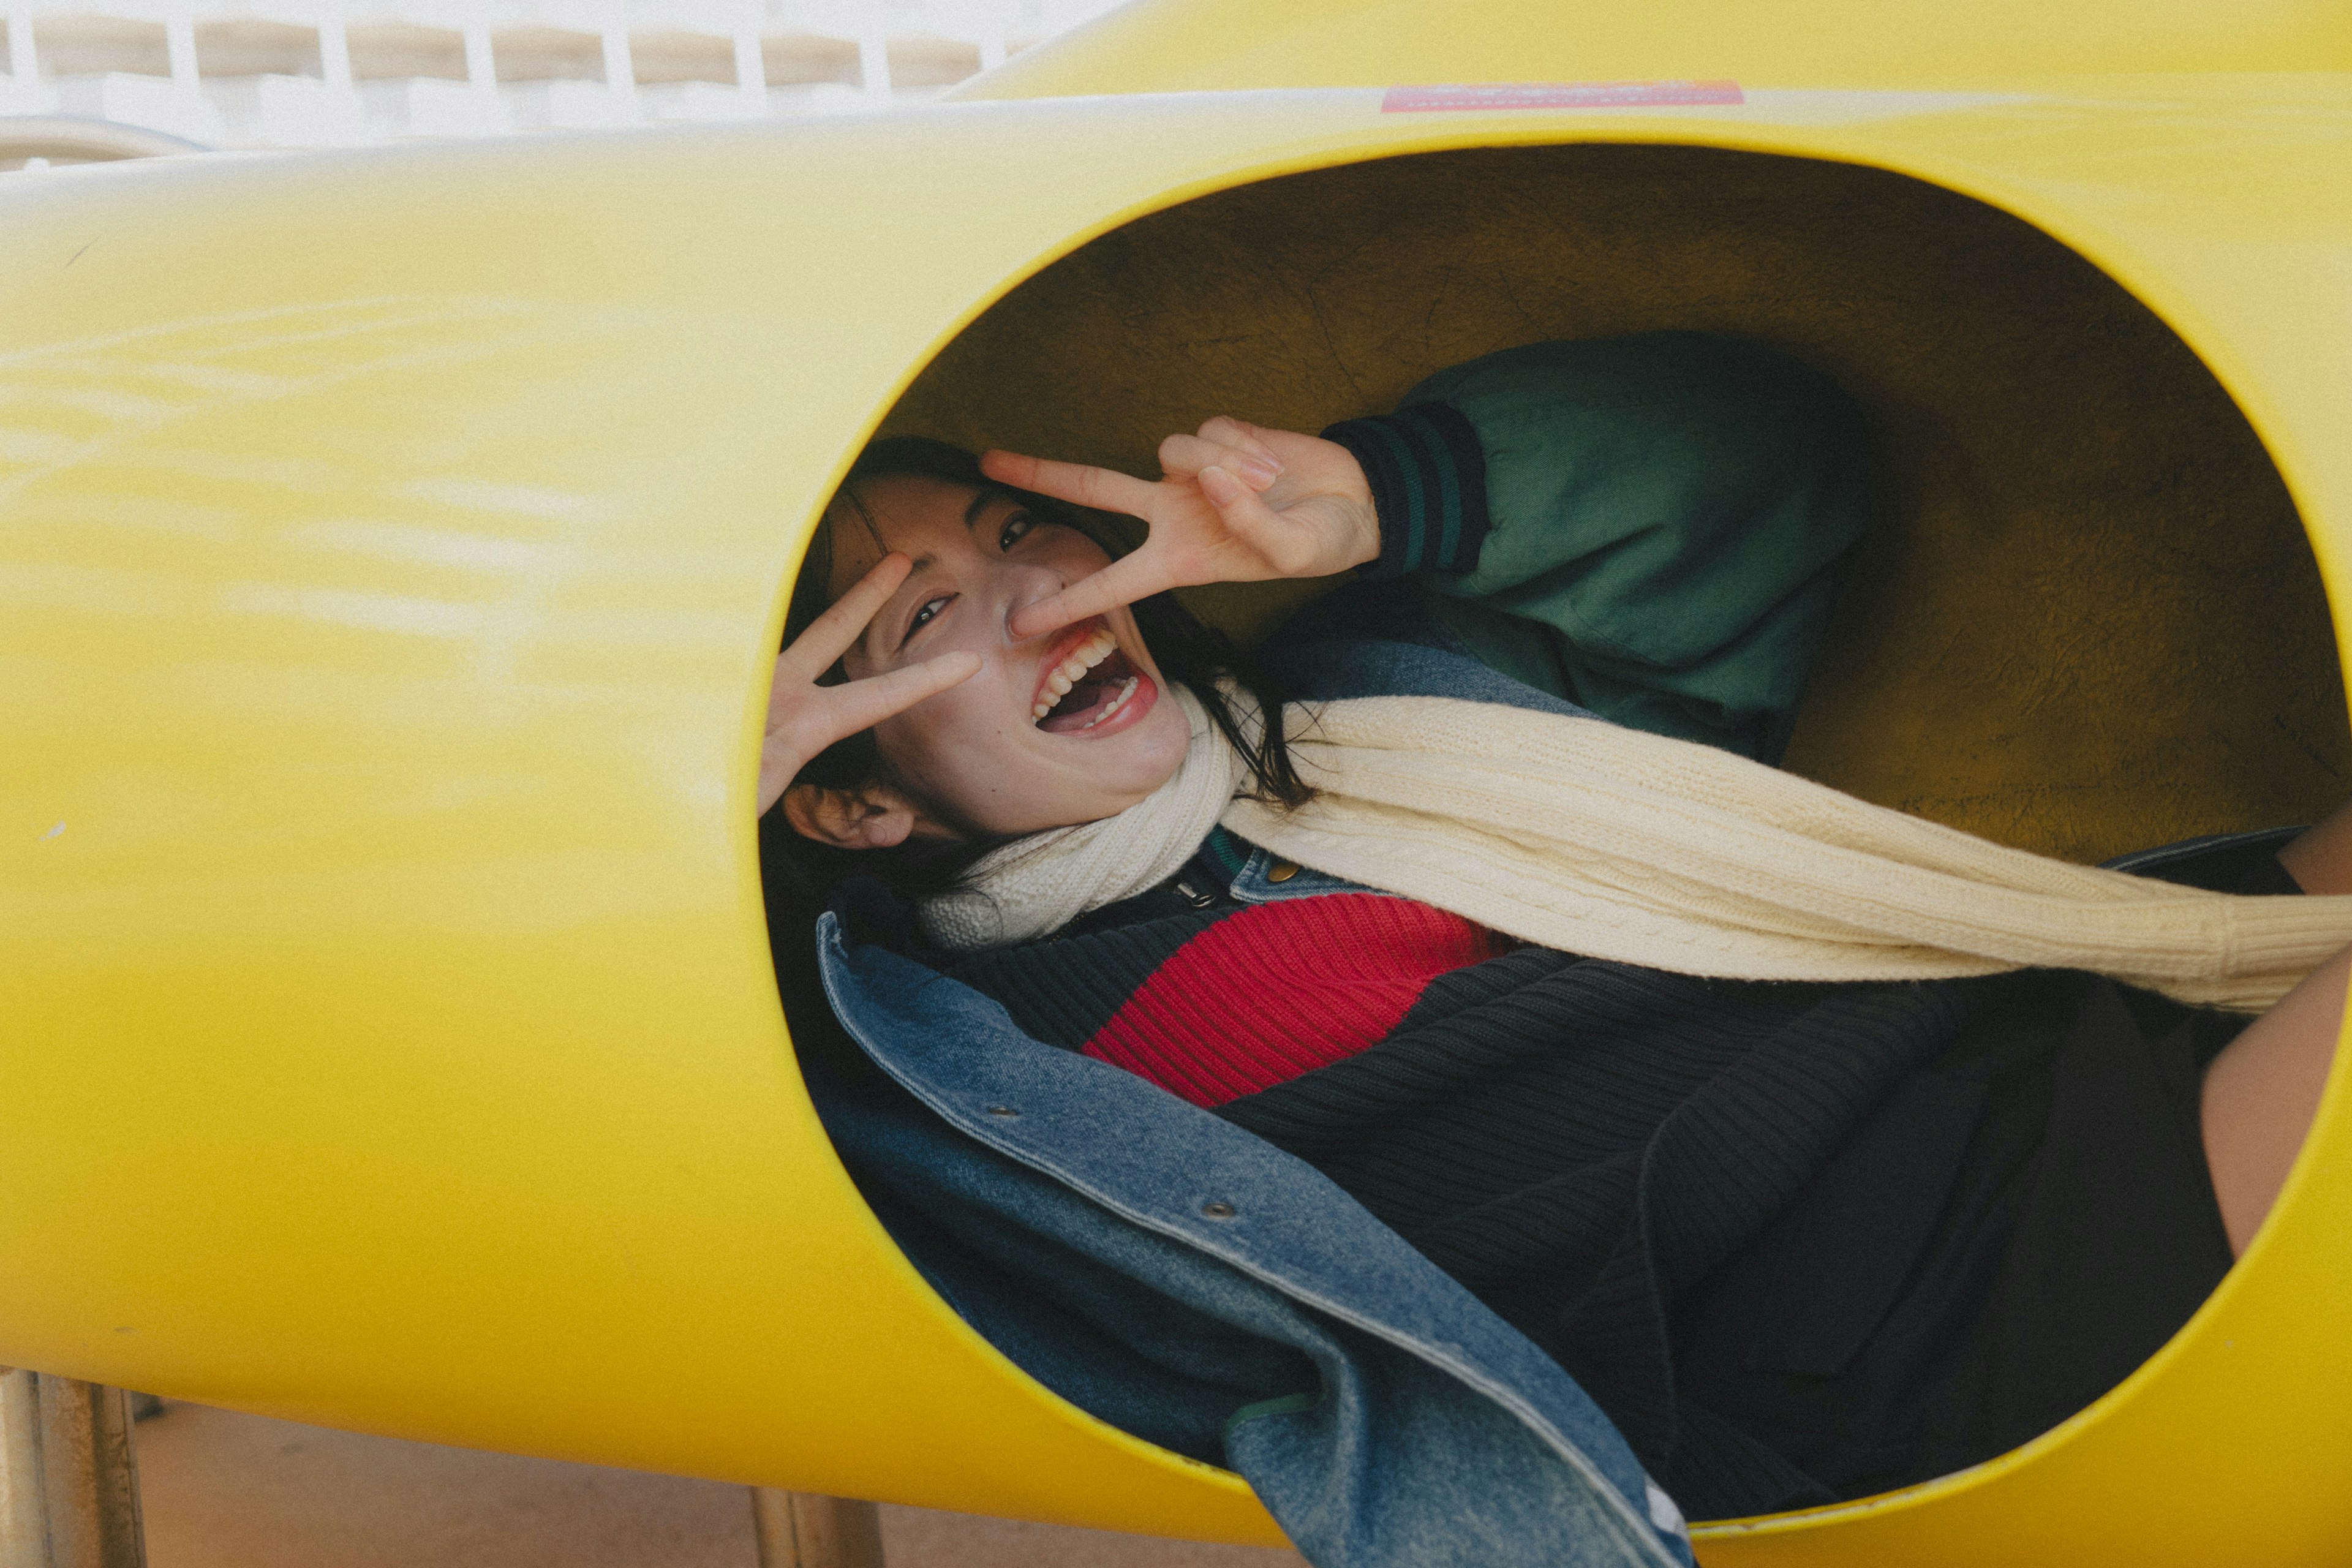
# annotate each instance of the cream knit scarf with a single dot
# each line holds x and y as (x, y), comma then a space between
(1612, 843)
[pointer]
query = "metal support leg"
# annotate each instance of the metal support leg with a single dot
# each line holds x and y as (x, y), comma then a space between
(798, 1530)
(68, 1478)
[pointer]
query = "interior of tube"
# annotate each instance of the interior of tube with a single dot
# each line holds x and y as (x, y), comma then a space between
(2086, 619)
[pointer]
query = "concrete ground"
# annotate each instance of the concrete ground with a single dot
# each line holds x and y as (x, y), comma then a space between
(225, 1491)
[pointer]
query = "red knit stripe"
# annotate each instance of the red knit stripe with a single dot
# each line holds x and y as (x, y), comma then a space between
(1276, 990)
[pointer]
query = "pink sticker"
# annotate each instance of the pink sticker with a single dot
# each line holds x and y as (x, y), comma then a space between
(1559, 95)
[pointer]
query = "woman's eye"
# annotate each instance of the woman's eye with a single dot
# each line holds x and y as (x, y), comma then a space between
(924, 613)
(1015, 528)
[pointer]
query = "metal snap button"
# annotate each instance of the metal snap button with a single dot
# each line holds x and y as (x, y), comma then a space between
(1282, 870)
(1218, 1209)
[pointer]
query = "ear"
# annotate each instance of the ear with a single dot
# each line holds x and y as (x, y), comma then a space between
(870, 817)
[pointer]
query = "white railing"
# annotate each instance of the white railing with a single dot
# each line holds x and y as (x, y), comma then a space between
(313, 73)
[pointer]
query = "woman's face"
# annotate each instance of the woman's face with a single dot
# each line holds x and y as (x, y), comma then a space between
(982, 756)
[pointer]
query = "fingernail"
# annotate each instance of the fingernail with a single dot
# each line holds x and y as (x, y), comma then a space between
(1261, 472)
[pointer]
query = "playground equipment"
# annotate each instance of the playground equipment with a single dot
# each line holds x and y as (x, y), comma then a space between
(395, 544)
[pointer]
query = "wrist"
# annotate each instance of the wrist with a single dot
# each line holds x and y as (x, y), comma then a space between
(1427, 478)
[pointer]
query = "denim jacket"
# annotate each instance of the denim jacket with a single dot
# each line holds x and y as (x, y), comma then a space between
(1187, 1281)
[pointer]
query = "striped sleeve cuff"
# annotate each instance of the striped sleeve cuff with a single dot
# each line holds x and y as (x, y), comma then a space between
(1429, 486)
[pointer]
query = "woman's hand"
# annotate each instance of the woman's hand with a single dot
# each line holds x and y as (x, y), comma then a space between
(805, 718)
(1236, 504)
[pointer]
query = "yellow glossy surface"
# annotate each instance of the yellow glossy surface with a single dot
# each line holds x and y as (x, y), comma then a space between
(1194, 45)
(390, 546)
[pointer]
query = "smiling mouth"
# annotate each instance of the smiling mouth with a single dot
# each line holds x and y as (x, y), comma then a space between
(1092, 683)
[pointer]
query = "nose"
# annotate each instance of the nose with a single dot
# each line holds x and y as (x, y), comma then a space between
(1034, 584)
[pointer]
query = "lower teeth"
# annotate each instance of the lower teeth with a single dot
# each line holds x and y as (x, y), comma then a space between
(1115, 703)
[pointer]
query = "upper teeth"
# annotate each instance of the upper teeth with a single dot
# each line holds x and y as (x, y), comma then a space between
(1071, 671)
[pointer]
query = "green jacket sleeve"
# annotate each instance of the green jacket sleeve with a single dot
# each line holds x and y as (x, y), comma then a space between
(1651, 526)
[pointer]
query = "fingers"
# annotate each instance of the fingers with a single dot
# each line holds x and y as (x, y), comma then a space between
(1124, 581)
(1225, 430)
(811, 718)
(831, 634)
(1185, 456)
(1287, 549)
(1101, 488)
(862, 704)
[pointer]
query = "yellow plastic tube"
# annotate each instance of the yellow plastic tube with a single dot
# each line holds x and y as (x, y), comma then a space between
(391, 548)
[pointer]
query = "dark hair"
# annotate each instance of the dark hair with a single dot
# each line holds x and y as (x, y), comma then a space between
(1186, 650)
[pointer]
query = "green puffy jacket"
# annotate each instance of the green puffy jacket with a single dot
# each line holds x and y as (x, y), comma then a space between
(1651, 527)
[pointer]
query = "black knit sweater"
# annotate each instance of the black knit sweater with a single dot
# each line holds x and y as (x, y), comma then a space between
(1585, 1143)
(1578, 1142)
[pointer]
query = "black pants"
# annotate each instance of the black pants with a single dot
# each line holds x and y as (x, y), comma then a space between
(2018, 1227)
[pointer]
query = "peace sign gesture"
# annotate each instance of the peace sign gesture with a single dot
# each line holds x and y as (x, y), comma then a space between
(1236, 503)
(805, 718)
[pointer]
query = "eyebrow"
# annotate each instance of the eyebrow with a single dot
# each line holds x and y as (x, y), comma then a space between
(971, 516)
